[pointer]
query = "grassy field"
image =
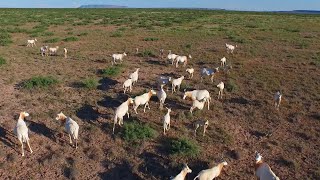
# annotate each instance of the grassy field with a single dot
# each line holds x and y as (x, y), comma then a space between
(275, 52)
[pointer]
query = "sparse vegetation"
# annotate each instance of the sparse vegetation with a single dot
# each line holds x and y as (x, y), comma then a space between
(2, 61)
(83, 34)
(116, 34)
(52, 40)
(135, 131)
(40, 82)
(188, 46)
(147, 53)
(274, 51)
(70, 39)
(231, 86)
(183, 147)
(5, 38)
(90, 83)
(111, 71)
(151, 39)
(221, 136)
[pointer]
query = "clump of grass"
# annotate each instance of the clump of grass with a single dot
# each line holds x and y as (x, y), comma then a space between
(151, 39)
(5, 38)
(288, 162)
(11, 158)
(116, 34)
(40, 82)
(222, 136)
(135, 132)
(122, 29)
(90, 83)
(181, 116)
(231, 86)
(183, 147)
(147, 53)
(68, 29)
(111, 71)
(52, 40)
(83, 34)
(2, 61)
(71, 38)
(188, 46)
(47, 33)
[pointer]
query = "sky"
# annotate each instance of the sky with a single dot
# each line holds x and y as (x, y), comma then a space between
(251, 5)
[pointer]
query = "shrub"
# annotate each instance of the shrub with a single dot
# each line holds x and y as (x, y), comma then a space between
(134, 131)
(83, 34)
(2, 61)
(150, 39)
(40, 82)
(231, 86)
(5, 38)
(111, 71)
(188, 46)
(147, 53)
(90, 83)
(53, 40)
(71, 38)
(221, 136)
(183, 147)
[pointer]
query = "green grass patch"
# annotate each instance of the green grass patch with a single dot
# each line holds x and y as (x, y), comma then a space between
(151, 39)
(111, 71)
(135, 132)
(183, 147)
(116, 34)
(40, 82)
(221, 136)
(2, 61)
(52, 40)
(70, 39)
(90, 83)
(83, 34)
(231, 86)
(5, 38)
(147, 53)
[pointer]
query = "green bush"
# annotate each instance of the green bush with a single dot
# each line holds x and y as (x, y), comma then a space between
(111, 71)
(183, 147)
(231, 86)
(5, 38)
(147, 53)
(150, 39)
(135, 132)
(83, 34)
(71, 38)
(53, 40)
(90, 83)
(40, 82)
(221, 136)
(188, 46)
(2, 61)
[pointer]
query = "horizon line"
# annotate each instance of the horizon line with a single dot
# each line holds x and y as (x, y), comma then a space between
(127, 7)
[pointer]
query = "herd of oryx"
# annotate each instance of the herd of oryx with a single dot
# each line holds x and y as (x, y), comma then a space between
(198, 97)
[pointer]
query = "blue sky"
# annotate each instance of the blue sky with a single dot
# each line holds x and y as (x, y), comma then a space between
(256, 5)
